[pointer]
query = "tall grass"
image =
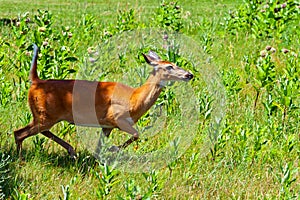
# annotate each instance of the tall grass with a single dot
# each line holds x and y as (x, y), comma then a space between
(251, 153)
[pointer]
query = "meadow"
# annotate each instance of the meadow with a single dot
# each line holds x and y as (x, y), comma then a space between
(238, 130)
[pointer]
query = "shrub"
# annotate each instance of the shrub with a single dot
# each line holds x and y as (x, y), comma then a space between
(169, 16)
(263, 19)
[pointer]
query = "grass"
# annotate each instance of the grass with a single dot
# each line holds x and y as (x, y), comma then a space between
(252, 154)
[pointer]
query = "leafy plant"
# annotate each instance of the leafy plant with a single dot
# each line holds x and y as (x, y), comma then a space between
(66, 192)
(169, 16)
(126, 20)
(20, 196)
(4, 163)
(231, 81)
(153, 182)
(107, 179)
(133, 191)
(263, 19)
(265, 75)
(286, 178)
(39, 143)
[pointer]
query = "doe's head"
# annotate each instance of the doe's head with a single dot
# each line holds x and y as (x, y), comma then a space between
(167, 71)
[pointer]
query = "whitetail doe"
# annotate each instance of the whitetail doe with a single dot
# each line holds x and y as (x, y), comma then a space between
(116, 105)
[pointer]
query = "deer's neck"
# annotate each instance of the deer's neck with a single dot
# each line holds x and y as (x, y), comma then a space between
(145, 96)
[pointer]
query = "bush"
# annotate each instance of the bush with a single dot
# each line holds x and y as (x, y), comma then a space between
(263, 19)
(169, 16)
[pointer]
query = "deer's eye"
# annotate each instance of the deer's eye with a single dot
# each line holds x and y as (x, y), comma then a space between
(169, 67)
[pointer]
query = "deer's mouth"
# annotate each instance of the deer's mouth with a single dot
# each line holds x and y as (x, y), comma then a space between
(188, 77)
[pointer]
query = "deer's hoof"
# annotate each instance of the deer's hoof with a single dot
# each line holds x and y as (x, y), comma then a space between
(72, 153)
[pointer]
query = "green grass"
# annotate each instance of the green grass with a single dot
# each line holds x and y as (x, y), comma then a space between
(253, 154)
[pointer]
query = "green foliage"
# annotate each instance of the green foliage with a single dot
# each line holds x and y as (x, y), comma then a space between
(169, 16)
(66, 192)
(280, 88)
(231, 81)
(20, 196)
(107, 178)
(126, 20)
(4, 173)
(263, 18)
(286, 177)
(228, 160)
(134, 191)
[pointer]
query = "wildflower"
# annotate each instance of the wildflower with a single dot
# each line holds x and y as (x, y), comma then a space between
(165, 37)
(276, 10)
(42, 29)
(294, 54)
(284, 50)
(90, 50)
(263, 53)
(70, 34)
(268, 48)
(283, 5)
(92, 60)
(45, 43)
(273, 50)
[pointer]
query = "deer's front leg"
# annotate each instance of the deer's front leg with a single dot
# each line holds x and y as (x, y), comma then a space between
(126, 126)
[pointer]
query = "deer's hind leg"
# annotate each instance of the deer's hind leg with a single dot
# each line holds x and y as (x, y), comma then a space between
(61, 142)
(23, 133)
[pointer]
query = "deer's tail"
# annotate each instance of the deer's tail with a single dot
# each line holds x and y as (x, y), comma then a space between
(33, 76)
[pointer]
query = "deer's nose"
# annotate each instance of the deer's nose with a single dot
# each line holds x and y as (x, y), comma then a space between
(189, 76)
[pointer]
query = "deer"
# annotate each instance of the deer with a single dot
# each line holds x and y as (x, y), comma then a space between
(114, 105)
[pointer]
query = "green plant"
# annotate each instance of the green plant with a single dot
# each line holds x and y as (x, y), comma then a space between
(231, 81)
(66, 192)
(263, 19)
(20, 196)
(169, 16)
(154, 184)
(107, 179)
(286, 177)
(4, 175)
(39, 143)
(253, 156)
(126, 20)
(265, 75)
(133, 191)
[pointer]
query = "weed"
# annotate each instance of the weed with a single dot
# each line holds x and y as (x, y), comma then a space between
(263, 19)
(4, 175)
(253, 155)
(107, 179)
(169, 16)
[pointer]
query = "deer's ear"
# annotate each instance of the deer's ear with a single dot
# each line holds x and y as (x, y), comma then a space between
(151, 58)
(153, 55)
